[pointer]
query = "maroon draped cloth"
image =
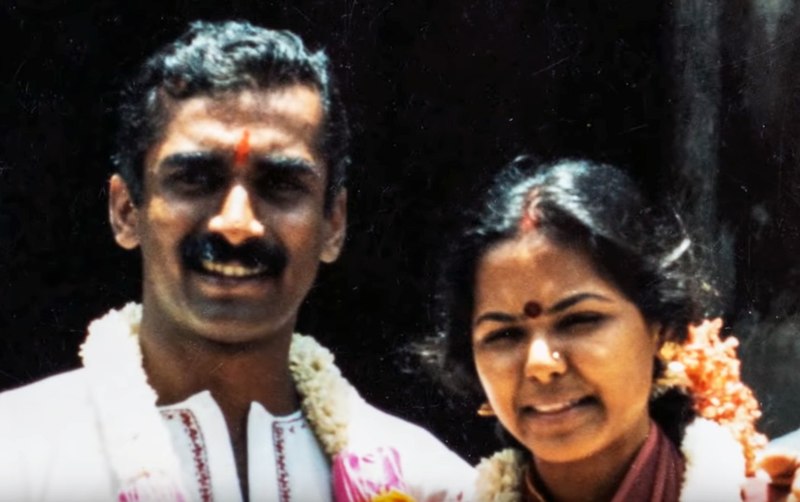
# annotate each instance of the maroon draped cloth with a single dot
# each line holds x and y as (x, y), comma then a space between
(655, 475)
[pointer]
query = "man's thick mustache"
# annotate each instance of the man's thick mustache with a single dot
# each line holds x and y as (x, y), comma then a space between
(252, 253)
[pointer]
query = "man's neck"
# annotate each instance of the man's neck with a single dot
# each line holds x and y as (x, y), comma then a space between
(179, 365)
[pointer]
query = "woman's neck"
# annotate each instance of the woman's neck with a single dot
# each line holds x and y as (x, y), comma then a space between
(595, 478)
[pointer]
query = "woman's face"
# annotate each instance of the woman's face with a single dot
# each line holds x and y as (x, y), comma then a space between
(564, 357)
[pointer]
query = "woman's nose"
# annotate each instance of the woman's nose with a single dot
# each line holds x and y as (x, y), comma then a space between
(543, 362)
(236, 220)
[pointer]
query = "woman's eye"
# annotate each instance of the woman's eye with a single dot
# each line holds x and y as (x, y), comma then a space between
(502, 335)
(579, 321)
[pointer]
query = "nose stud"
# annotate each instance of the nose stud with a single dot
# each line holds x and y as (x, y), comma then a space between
(556, 355)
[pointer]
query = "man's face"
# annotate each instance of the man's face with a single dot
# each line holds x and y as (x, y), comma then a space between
(232, 224)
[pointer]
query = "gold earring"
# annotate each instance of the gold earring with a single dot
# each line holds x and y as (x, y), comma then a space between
(485, 410)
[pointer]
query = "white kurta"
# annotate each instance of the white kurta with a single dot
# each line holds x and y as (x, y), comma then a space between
(285, 462)
(95, 434)
(51, 449)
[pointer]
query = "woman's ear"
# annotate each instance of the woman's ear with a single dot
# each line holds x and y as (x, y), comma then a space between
(659, 335)
(122, 213)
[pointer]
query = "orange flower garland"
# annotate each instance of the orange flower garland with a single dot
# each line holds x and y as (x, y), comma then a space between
(708, 368)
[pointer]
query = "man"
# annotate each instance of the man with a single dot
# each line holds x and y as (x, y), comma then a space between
(230, 180)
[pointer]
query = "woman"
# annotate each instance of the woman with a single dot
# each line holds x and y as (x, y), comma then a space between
(568, 305)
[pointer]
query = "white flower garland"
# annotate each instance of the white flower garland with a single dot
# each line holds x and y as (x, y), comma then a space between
(714, 467)
(500, 477)
(139, 446)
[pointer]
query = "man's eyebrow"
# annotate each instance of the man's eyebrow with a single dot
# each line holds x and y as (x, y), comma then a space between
(575, 299)
(285, 164)
(192, 159)
(496, 317)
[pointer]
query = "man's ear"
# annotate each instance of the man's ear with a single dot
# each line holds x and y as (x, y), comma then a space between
(123, 213)
(337, 228)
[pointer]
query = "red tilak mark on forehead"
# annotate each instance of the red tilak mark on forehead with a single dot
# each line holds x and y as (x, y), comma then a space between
(242, 149)
(530, 218)
(528, 222)
(532, 309)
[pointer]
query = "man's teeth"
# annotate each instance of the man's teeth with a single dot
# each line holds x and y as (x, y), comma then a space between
(230, 270)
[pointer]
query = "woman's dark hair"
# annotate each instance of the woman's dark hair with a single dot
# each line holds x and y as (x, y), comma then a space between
(218, 57)
(588, 206)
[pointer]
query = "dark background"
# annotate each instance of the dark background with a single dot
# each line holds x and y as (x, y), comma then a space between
(698, 99)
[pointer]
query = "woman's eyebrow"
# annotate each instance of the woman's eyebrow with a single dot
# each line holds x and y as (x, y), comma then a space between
(575, 299)
(558, 307)
(496, 317)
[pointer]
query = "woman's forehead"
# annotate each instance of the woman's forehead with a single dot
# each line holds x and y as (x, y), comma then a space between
(536, 264)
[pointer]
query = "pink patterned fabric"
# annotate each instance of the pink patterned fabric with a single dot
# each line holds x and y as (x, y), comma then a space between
(360, 477)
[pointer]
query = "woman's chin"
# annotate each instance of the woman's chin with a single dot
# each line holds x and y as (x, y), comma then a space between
(566, 435)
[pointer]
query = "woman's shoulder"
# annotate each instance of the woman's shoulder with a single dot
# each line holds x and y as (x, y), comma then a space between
(715, 463)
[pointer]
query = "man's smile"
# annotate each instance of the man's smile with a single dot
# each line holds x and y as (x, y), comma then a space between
(233, 269)
(210, 254)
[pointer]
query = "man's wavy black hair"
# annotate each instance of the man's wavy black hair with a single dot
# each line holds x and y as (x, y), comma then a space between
(218, 57)
(584, 205)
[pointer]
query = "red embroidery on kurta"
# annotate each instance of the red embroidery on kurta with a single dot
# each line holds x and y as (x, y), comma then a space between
(280, 463)
(284, 489)
(192, 429)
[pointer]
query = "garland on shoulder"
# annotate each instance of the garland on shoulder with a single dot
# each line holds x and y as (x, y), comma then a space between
(138, 443)
(500, 477)
(707, 369)
(372, 476)
(714, 468)
(325, 392)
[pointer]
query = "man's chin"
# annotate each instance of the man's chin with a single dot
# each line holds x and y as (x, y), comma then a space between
(236, 322)
(256, 288)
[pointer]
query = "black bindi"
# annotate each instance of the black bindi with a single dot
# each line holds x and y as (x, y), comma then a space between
(532, 309)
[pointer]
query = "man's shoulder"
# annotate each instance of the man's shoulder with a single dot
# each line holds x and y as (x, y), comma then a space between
(368, 418)
(432, 470)
(383, 429)
(52, 398)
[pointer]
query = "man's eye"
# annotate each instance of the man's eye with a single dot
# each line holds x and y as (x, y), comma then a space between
(579, 321)
(195, 180)
(276, 184)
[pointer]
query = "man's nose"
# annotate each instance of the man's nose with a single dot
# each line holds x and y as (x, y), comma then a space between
(543, 362)
(236, 221)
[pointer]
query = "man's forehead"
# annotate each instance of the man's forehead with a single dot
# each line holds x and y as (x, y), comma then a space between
(287, 114)
(298, 103)
(285, 120)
